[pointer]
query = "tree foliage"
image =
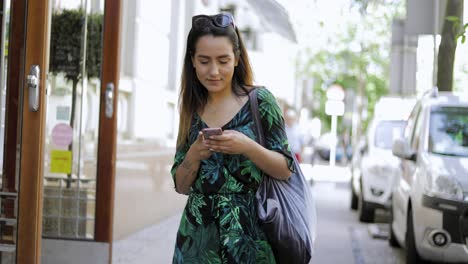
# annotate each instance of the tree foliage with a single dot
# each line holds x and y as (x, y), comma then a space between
(357, 58)
(67, 48)
(462, 34)
(66, 44)
(458, 27)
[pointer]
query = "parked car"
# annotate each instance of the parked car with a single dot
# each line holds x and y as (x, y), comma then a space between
(430, 202)
(322, 148)
(375, 170)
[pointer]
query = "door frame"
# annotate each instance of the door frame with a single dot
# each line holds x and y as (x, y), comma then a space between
(31, 130)
(107, 142)
(32, 146)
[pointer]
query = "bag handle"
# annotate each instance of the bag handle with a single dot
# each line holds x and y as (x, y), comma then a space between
(256, 115)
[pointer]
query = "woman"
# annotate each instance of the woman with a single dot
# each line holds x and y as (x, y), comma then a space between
(221, 173)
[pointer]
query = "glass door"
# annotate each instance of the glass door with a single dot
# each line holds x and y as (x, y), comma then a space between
(12, 62)
(80, 131)
(72, 122)
(8, 181)
(58, 94)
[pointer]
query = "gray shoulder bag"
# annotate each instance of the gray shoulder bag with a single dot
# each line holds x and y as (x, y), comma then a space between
(286, 209)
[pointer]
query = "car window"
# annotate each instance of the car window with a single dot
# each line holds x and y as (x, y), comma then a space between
(415, 128)
(411, 120)
(387, 131)
(448, 131)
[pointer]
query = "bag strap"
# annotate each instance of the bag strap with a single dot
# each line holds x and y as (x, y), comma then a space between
(256, 115)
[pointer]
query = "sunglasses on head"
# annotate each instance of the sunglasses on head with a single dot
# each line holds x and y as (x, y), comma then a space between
(222, 20)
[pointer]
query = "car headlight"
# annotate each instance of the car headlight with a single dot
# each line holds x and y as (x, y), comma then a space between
(444, 186)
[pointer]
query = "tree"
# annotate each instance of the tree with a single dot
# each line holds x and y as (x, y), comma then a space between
(357, 57)
(448, 44)
(67, 50)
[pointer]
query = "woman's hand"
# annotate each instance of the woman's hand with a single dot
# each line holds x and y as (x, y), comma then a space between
(199, 149)
(186, 173)
(230, 142)
(234, 142)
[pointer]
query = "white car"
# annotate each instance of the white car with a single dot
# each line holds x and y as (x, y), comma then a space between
(374, 169)
(430, 202)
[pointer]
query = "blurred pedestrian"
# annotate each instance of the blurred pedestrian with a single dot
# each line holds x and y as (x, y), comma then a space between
(221, 173)
(293, 132)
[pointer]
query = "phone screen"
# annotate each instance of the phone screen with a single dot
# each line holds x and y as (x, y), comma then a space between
(212, 132)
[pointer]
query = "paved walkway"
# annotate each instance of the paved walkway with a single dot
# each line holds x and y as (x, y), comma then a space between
(154, 244)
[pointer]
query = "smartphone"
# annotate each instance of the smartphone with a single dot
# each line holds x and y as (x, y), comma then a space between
(207, 132)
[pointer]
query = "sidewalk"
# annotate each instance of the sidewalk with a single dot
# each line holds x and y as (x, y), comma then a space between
(326, 173)
(154, 244)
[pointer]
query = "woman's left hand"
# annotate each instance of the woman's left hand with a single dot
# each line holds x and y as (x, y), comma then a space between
(230, 142)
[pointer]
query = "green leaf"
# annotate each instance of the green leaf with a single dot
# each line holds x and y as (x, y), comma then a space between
(195, 205)
(452, 18)
(231, 185)
(211, 257)
(67, 43)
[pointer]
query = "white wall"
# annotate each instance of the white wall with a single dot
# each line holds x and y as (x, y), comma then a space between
(145, 67)
(274, 66)
(153, 44)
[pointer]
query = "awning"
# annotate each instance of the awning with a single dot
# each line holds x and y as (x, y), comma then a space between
(274, 17)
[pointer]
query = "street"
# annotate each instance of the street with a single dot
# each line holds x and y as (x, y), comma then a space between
(341, 238)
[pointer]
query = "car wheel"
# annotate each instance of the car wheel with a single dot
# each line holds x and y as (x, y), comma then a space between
(392, 241)
(412, 255)
(366, 214)
(354, 199)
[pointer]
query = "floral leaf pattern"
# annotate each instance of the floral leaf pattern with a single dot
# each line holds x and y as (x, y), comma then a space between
(219, 223)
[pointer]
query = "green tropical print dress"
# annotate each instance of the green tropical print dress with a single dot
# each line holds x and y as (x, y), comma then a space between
(219, 223)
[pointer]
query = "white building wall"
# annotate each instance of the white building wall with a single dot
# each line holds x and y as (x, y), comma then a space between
(146, 39)
(274, 66)
(153, 44)
(151, 67)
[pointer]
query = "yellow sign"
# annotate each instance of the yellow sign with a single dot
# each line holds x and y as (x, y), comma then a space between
(61, 161)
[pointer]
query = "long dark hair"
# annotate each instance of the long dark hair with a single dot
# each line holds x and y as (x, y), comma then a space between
(193, 96)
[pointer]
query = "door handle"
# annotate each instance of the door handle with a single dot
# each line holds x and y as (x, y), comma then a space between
(33, 80)
(109, 100)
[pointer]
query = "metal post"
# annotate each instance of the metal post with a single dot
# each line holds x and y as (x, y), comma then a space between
(333, 141)
(436, 27)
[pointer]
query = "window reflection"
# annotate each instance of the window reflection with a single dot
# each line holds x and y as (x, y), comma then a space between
(387, 131)
(8, 173)
(72, 118)
(449, 131)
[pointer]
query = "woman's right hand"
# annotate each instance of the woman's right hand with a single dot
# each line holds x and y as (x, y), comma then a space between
(199, 150)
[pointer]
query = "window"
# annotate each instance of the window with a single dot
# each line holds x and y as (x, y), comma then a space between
(250, 39)
(229, 9)
(409, 132)
(448, 131)
(416, 130)
(387, 131)
(170, 123)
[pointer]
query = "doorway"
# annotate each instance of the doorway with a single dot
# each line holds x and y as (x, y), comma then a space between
(58, 92)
